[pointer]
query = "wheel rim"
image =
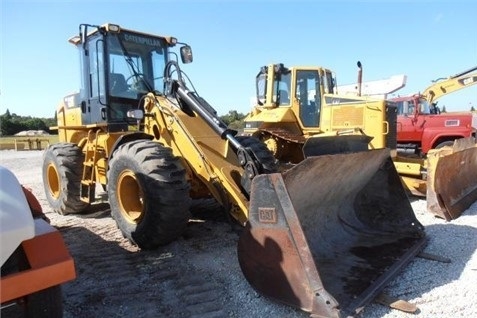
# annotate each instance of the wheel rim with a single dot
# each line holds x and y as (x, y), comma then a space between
(53, 179)
(130, 197)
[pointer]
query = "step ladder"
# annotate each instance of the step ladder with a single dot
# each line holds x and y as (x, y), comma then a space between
(88, 181)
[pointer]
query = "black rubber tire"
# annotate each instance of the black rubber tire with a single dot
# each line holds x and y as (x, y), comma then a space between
(148, 193)
(264, 155)
(46, 303)
(445, 143)
(62, 172)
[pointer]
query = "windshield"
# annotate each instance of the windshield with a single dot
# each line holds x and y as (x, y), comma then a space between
(136, 64)
(408, 107)
(424, 107)
(261, 88)
(281, 87)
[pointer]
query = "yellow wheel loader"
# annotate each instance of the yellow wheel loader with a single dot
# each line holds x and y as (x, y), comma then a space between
(325, 236)
(299, 108)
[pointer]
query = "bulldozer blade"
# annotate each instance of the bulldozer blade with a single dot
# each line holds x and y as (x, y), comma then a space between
(327, 235)
(452, 179)
(329, 145)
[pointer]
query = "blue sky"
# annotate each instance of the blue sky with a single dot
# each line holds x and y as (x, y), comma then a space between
(424, 40)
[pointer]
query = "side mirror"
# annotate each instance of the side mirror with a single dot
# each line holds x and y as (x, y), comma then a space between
(135, 114)
(186, 54)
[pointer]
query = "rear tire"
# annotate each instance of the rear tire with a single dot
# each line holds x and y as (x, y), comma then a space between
(62, 171)
(264, 155)
(148, 193)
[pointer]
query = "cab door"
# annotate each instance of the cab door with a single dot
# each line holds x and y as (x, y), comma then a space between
(410, 124)
(93, 92)
(308, 95)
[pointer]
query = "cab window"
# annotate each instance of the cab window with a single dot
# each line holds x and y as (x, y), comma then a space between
(308, 94)
(282, 89)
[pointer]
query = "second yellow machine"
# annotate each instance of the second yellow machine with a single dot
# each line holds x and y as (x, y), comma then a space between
(325, 236)
(299, 112)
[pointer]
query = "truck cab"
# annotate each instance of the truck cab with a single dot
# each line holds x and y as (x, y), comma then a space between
(421, 126)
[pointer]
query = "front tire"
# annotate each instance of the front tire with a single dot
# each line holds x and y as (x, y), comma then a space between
(148, 193)
(62, 171)
(448, 143)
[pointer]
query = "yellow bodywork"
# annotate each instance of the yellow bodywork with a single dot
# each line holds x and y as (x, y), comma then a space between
(337, 115)
(211, 164)
(413, 174)
(213, 169)
(450, 85)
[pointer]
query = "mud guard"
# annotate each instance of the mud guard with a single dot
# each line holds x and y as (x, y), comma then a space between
(330, 233)
(452, 179)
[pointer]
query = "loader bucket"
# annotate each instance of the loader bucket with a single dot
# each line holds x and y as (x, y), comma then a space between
(328, 234)
(452, 179)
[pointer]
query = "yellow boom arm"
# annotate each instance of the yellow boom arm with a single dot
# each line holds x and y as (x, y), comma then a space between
(453, 83)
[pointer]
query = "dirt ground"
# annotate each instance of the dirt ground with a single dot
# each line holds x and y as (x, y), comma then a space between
(199, 274)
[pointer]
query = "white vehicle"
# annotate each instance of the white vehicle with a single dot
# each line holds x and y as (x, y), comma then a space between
(34, 258)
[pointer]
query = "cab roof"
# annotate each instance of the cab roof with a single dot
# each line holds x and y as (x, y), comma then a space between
(110, 27)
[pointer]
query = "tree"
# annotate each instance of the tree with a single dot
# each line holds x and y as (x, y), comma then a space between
(232, 116)
(444, 109)
(49, 122)
(10, 127)
(11, 124)
(472, 109)
(8, 115)
(234, 119)
(36, 124)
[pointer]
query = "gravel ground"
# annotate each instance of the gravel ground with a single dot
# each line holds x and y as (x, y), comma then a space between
(199, 275)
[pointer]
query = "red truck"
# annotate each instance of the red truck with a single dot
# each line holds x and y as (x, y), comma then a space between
(420, 124)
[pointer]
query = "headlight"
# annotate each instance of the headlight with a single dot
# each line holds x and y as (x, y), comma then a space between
(113, 28)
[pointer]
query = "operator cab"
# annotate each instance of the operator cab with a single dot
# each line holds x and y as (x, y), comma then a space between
(118, 68)
(293, 87)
